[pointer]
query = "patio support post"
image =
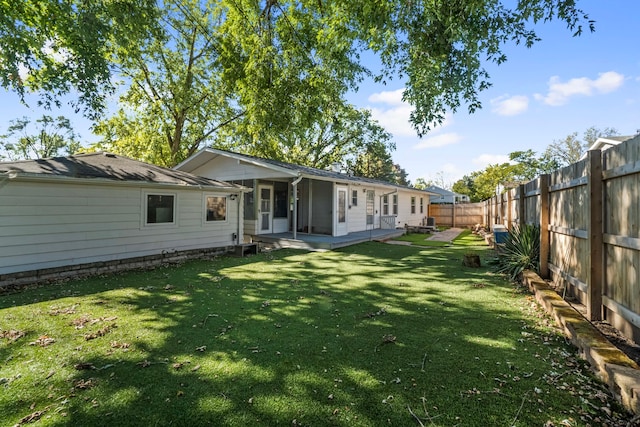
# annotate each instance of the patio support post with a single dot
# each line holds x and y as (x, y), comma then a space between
(294, 185)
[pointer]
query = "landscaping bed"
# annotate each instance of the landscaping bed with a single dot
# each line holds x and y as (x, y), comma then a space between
(370, 335)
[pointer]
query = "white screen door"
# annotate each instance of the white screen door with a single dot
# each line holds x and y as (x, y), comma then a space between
(265, 209)
(341, 211)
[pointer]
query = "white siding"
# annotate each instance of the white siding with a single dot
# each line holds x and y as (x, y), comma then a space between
(227, 169)
(404, 208)
(45, 225)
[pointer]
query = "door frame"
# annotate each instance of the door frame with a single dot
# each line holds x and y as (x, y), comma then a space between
(341, 228)
(270, 212)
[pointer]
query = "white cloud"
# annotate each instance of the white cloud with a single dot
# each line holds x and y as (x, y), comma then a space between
(395, 120)
(485, 160)
(510, 105)
(387, 97)
(394, 114)
(439, 141)
(559, 92)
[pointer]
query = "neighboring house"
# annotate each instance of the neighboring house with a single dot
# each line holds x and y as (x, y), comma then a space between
(606, 143)
(445, 196)
(93, 208)
(327, 202)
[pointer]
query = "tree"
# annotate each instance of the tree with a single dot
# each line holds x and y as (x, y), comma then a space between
(373, 162)
(55, 48)
(570, 149)
(175, 99)
(52, 137)
(281, 57)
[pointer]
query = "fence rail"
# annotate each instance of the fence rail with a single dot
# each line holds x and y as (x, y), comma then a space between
(589, 217)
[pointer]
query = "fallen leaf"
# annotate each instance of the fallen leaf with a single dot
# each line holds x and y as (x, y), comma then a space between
(84, 366)
(43, 341)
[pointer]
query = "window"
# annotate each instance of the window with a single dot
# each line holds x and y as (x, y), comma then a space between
(370, 203)
(280, 199)
(413, 205)
(395, 204)
(342, 206)
(421, 205)
(216, 208)
(354, 198)
(385, 205)
(160, 208)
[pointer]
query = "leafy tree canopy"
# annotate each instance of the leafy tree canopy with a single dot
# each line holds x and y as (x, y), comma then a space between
(279, 56)
(54, 47)
(570, 149)
(49, 137)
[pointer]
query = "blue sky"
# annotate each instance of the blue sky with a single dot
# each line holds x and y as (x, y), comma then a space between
(563, 84)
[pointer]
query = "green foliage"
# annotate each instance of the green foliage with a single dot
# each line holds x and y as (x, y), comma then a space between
(56, 47)
(521, 251)
(322, 338)
(276, 61)
(51, 137)
(570, 149)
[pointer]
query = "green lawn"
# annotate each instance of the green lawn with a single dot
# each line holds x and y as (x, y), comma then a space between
(466, 238)
(370, 335)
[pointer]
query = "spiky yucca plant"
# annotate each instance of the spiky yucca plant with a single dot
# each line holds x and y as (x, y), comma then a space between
(521, 251)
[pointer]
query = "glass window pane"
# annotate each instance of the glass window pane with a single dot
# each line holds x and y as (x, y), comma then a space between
(216, 208)
(159, 208)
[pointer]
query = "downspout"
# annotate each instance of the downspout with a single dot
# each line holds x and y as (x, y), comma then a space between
(294, 185)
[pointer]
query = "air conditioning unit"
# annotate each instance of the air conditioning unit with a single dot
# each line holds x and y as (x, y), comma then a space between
(431, 221)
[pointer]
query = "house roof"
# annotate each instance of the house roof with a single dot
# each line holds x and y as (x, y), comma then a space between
(440, 191)
(107, 167)
(287, 169)
(607, 142)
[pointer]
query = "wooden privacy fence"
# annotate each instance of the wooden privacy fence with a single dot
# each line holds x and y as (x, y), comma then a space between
(459, 215)
(589, 217)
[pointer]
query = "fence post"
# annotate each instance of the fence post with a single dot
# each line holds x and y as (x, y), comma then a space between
(509, 201)
(521, 213)
(595, 242)
(544, 226)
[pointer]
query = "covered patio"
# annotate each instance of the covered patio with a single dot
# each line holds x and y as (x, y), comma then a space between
(325, 242)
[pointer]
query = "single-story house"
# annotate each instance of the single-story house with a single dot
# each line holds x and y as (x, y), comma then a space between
(298, 199)
(100, 207)
(443, 196)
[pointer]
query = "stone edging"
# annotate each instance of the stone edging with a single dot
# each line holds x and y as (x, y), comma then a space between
(611, 365)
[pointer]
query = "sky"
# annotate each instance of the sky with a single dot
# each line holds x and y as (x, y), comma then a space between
(561, 85)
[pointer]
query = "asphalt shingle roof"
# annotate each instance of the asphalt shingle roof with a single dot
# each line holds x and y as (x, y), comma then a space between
(106, 166)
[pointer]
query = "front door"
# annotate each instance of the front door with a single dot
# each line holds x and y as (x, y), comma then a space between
(265, 208)
(341, 211)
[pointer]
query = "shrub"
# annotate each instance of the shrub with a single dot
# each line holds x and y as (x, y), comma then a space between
(521, 251)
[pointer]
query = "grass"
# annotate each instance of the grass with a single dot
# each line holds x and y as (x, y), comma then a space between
(370, 335)
(465, 238)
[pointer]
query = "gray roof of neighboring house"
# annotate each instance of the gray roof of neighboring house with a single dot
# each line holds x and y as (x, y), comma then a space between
(294, 170)
(440, 191)
(106, 166)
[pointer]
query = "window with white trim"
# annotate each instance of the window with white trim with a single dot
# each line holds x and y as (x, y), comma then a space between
(395, 204)
(354, 197)
(160, 208)
(215, 208)
(413, 204)
(385, 205)
(421, 205)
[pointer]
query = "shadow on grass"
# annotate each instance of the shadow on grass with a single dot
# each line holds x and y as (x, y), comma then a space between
(352, 337)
